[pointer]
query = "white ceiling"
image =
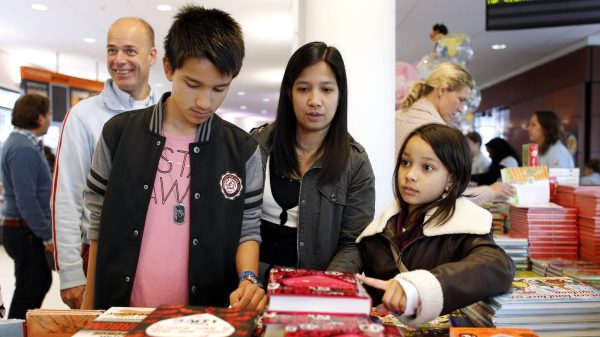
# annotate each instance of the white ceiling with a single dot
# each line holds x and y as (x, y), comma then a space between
(525, 47)
(53, 39)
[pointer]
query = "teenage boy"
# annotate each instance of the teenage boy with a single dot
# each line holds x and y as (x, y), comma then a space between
(174, 191)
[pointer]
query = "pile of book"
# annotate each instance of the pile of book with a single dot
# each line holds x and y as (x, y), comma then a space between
(583, 271)
(499, 210)
(565, 195)
(588, 203)
(551, 230)
(310, 302)
(551, 306)
(516, 248)
(57, 322)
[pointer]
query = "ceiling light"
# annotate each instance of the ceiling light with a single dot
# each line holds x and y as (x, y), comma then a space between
(264, 112)
(266, 99)
(89, 40)
(241, 93)
(163, 8)
(39, 7)
(498, 46)
(243, 107)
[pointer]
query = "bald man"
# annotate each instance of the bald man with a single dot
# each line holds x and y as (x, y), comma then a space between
(130, 53)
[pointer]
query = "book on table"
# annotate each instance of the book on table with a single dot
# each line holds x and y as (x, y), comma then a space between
(116, 321)
(13, 327)
(491, 332)
(58, 322)
(558, 292)
(190, 321)
(547, 305)
(321, 325)
(312, 291)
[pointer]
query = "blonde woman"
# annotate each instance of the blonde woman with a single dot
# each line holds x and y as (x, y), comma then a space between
(435, 100)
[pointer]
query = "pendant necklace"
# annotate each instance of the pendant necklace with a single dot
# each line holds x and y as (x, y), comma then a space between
(178, 208)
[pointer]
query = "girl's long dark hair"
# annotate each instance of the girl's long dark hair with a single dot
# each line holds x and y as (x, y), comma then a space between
(336, 145)
(451, 148)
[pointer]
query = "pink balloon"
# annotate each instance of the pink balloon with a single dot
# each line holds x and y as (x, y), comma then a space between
(406, 75)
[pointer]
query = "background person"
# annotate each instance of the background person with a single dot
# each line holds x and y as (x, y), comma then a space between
(130, 53)
(546, 130)
(319, 186)
(591, 173)
(503, 155)
(436, 100)
(26, 229)
(480, 162)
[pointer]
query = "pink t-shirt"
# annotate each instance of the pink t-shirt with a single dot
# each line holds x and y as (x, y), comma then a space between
(162, 270)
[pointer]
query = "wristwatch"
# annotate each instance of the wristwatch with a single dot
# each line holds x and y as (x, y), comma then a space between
(250, 276)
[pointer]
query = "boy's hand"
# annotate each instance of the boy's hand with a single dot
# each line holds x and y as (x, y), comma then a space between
(394, 298)
(248, 295)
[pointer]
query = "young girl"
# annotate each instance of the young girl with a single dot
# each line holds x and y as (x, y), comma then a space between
(433, 246)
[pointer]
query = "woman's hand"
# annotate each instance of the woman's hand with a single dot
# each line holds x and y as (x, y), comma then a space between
(394, 298)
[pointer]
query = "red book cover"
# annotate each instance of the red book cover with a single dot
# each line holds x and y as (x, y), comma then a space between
(315, 291)
(188, 321)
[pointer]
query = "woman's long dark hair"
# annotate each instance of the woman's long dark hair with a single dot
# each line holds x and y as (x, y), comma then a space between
(451, 148)
(552, 128)
(336, 145)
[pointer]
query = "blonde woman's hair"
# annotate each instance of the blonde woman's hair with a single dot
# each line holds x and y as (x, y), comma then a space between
(447, 75)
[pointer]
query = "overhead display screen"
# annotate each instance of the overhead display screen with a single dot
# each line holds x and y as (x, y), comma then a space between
(521, 14)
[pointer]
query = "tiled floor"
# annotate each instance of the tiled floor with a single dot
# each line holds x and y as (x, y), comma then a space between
(7, 283)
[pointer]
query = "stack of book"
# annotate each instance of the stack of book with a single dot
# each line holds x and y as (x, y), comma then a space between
(551, 306)
(565, 195)
(58, 322)
(516, 248)
(317, 303)
(499, 210)
(588, 203)
(551, 230)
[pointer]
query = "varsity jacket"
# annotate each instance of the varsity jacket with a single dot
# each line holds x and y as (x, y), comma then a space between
(80, 132)
(331, 216)
(225, 199)
(451, 266)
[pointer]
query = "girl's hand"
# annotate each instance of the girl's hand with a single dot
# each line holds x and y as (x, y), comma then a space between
(394, 298)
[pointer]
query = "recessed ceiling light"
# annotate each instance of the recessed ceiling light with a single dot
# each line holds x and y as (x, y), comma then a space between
(39, 7)
(243, 107)
(163, 8)
(241, 93)
(499, 46)
(266, 99)
(89, 40)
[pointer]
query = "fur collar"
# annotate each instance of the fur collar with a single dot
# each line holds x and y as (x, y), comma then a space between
(468, 218)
